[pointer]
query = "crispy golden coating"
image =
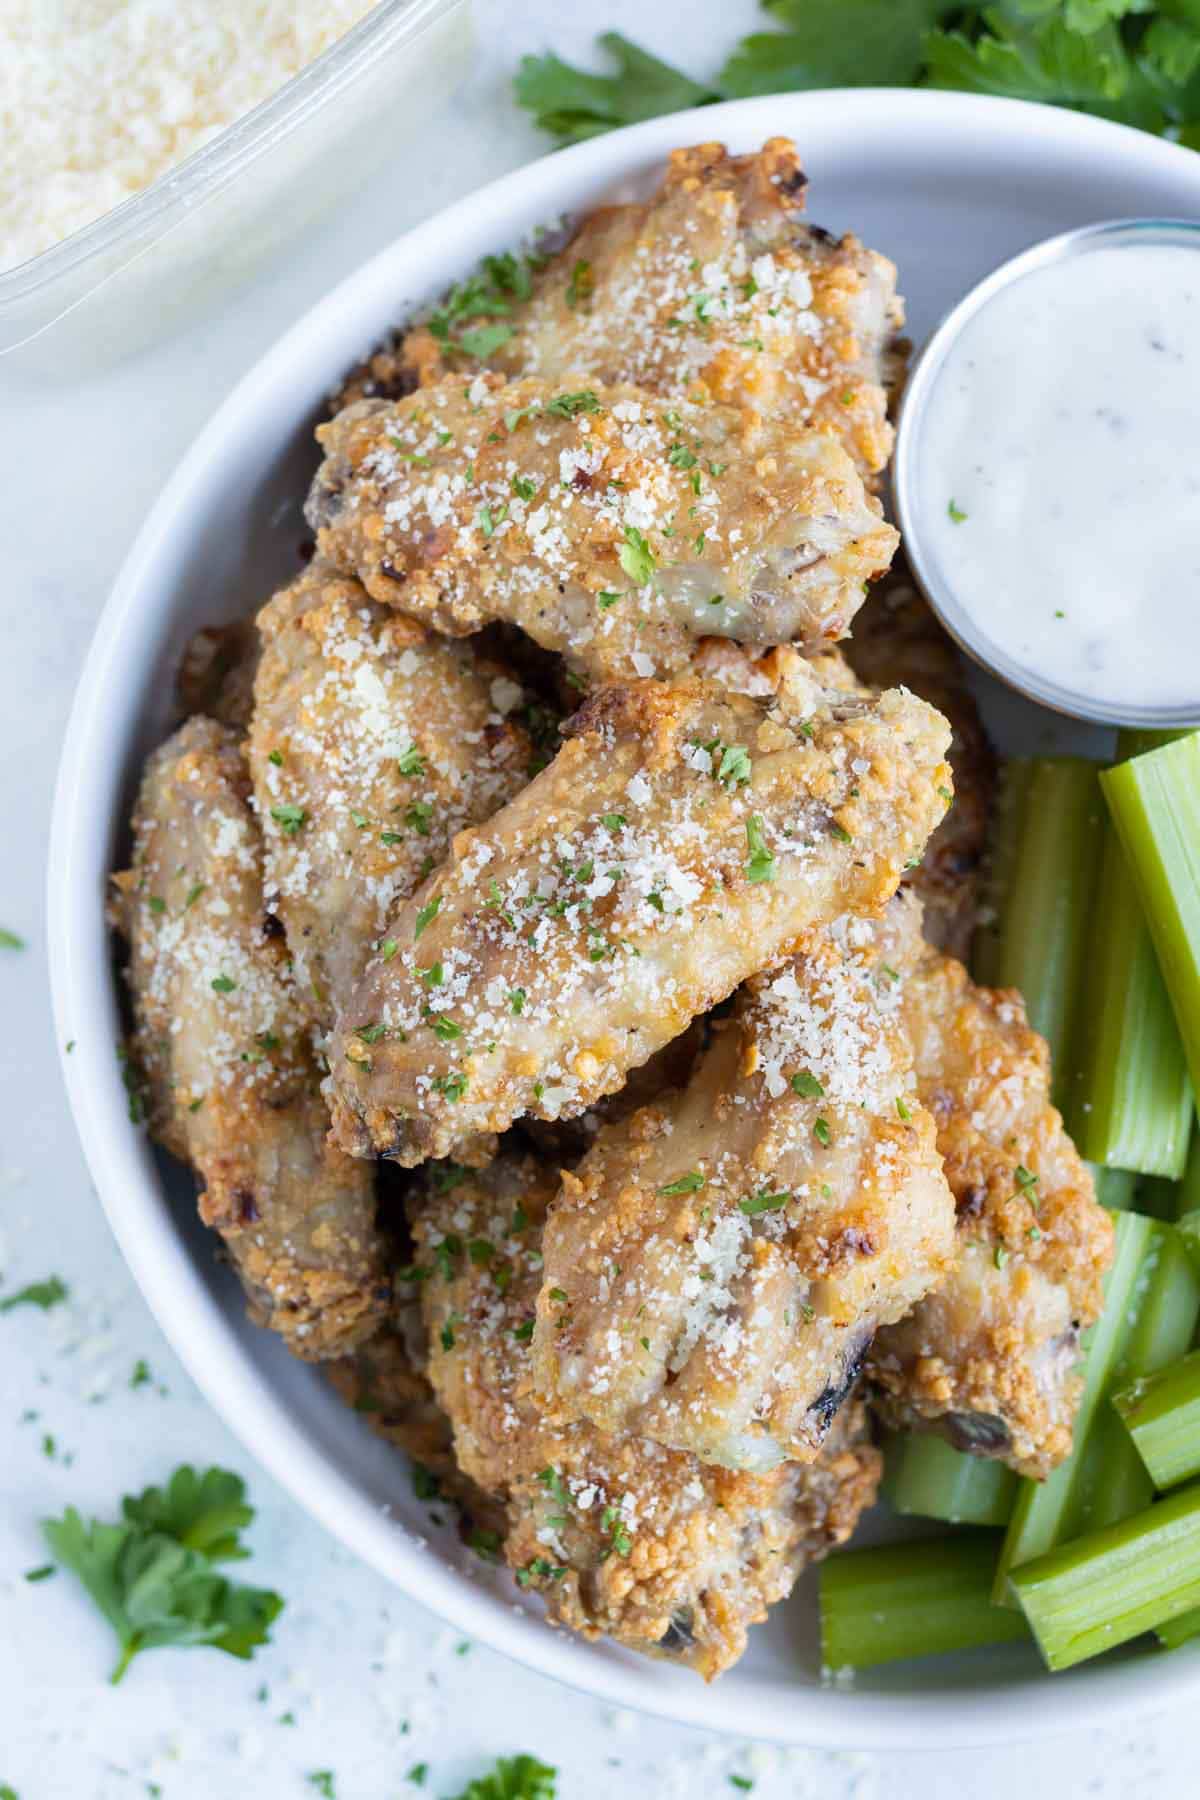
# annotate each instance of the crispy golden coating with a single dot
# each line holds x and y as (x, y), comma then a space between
(714, 287)
(233, 1085)
(682, 839)
(621, 1537)
(612, 529)
(718, 1265)
(373, 743)
(385, 1381)
(991, 1358)
(898, 642)
(563, 1141)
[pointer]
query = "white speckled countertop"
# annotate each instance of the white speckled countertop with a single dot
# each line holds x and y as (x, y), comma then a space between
(358, 1681)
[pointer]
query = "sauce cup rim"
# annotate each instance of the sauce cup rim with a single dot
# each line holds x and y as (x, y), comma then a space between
(967, 632)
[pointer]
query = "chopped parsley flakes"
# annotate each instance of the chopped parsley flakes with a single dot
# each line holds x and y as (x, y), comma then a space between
(43, 1294)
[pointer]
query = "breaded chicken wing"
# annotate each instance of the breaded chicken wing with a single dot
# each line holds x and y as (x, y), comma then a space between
(610, 527)
(233, 1085)
(898, 642)
(621, 1537)
(373, 742)
(385, 1381)
(682, 839)
(716, 1268)
(714, 287)
(991, 1359)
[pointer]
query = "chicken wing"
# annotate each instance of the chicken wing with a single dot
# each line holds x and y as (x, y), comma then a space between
(898, 642)
(714, 286)
(682, 839)
(233, 1085)
(717, 1267)
(610, 529)
(621, 1537)
(991, 1359)
(385, 1381)
(373, 743)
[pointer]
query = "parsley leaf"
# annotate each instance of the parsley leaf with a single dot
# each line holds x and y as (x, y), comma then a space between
(1129, 60)
(204, 1512)
(691, 1183)
(9, 939)
(289, 818)
(569, 406)
(39, 1293)
(426, 915)
(154, 1575)
(760, 864)
(636, 557)
(834, 43)
(572, 104)
(514, 1778)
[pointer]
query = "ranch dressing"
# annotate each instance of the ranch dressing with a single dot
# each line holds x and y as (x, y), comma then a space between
(1059, 475)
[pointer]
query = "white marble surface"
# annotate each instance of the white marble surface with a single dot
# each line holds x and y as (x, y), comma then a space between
(373, 1684)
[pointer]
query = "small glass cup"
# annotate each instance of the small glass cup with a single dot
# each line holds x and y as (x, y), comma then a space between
(912, 506)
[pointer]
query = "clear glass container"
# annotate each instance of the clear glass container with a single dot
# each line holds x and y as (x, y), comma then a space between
(203, 227)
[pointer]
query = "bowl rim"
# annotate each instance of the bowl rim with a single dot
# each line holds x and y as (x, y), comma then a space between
(969, 632)
(90, 788)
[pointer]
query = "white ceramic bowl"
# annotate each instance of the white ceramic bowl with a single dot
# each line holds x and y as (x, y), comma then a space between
(949, 186)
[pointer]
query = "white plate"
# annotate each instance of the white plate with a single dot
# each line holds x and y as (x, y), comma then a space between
(947, 185)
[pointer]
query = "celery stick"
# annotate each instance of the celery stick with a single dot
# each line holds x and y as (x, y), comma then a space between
(1130, 1098)
(1187, 1203)
(906, 1600)
(1155, 801)
(1115, 1188)
(1161, 1413)
(1039, 895)
(1189, 1236)
(926, 1476)
(1000, 866)
(1180, 1630)
(1110, 1586)
(1152, 1299)
(1188, 1192)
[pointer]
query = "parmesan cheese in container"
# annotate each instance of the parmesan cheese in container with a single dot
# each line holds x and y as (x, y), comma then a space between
(159, 149)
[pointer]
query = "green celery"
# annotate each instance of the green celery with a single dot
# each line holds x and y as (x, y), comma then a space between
(1103, 1589)
(1152, 1299)
(1039, 892)
(1187, 1203)
(1161, 1413)
(1155, 801)
(907, 1600)
(927, 1477)
(1179, 1630)
(1115, 1188)
(999, 870)
(1189, 1188)
(1130, 1098)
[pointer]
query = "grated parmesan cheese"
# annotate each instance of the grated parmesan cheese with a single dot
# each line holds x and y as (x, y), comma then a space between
(98, 98)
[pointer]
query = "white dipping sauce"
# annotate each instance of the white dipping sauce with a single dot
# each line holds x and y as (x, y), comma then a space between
(1064, 426)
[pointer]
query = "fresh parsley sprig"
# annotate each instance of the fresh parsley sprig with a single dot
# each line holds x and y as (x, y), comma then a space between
(155, 1575)
(514, 1778)
(1131, 60)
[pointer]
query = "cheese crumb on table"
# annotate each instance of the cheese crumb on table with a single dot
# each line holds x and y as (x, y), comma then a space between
(98, 98)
